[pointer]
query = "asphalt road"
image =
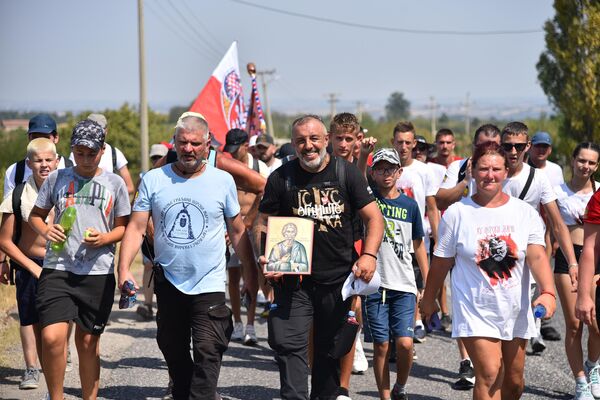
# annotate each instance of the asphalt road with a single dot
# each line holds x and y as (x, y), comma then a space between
(133, 368)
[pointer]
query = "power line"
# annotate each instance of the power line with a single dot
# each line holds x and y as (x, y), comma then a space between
(198, 34)
(385, 28)
(176, 32)
(201, 24)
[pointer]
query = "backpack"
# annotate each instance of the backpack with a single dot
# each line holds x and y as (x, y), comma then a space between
(462, 172)
(16, 205)
(113, 152)
(527, 184)
(340, 171)
(20, 169)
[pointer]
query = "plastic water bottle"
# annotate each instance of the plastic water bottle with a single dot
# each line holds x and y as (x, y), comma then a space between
(539, 311)
(67, 220)
(352, 318)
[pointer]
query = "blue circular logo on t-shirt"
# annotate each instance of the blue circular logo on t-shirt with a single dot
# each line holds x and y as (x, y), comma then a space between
(184, 223)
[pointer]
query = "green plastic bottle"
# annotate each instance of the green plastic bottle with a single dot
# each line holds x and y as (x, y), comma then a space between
(67, 220)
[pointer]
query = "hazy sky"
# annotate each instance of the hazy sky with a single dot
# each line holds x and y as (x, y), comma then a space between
(83, 54)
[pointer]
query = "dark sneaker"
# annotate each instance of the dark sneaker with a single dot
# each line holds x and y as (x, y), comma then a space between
(537, 345)
(396, 394)
(30, 379)
(466, 380)
(145, 312)
(419, 334)
(550, 333)
(446, 322)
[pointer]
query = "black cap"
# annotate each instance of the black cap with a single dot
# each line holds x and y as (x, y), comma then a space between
(234, 139)
(286, 149)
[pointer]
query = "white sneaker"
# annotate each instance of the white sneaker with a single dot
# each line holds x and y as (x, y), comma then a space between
(238, 332)
(260, 298)
(582, 392)
(250, 337)
(342, 397)
(593, 375)
(360, 363)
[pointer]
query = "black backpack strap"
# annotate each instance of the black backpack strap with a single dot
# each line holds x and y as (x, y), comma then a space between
(528, 183)
(340, 170)
(462, 172)
(68, 162)
(19, 172)
(16, 205)
(114, 158)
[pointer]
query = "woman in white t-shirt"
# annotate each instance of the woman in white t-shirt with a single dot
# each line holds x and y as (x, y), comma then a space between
(572, 198)
(487, 239)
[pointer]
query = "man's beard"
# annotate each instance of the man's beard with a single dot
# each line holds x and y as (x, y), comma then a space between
(316, 163)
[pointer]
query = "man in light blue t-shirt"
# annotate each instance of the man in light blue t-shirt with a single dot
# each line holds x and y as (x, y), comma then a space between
(188, 201)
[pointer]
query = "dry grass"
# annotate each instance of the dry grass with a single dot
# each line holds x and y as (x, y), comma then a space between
(8, 301)
(9, 326)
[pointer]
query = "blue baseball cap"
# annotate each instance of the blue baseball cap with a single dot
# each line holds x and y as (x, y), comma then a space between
(542, 138)
(42, 123)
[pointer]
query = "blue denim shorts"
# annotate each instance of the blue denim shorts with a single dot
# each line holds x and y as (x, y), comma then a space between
(26, 293)
(395, 316)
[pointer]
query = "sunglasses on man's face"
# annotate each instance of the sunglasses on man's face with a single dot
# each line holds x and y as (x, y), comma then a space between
(509, 146)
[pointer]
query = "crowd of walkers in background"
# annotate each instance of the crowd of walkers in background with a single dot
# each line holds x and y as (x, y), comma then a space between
(479, 246)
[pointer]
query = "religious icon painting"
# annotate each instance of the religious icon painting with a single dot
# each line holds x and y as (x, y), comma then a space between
(289, 245)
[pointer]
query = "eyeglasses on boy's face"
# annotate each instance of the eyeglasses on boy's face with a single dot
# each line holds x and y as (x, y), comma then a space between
(386, 171)
(509, 146)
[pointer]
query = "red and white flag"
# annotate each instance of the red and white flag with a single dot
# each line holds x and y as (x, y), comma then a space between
(221, 101)
(255, 123)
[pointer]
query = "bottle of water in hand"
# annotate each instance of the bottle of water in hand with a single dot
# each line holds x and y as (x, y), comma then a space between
(352, 318)
(67, 220)
(539, 311)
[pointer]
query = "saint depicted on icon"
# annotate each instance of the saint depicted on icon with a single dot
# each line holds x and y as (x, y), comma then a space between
(289, 255)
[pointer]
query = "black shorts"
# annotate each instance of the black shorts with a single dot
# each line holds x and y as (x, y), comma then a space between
(26, 285)
(417, 271)
(561, 265)
(85, 299)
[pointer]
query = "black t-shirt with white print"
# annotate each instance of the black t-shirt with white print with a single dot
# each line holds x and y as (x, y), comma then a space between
(320, 197)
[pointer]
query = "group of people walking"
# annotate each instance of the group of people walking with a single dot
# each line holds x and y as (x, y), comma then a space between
(493, 221)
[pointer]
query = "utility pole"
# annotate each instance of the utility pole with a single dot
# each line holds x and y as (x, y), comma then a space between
(467, 117)
(359, 110)
(263, 79)
(433, 107)
(143, 101)
(332, 100)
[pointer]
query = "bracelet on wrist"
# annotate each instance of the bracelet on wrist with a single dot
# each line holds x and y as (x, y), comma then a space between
(575, 265)
(370, 254)
(548, 293)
